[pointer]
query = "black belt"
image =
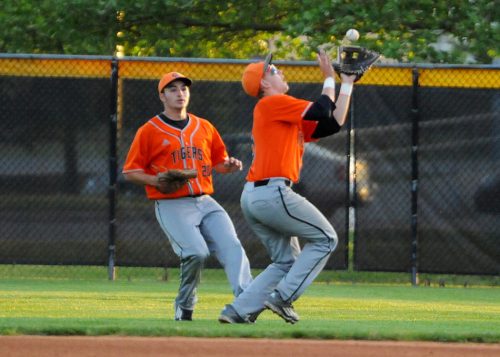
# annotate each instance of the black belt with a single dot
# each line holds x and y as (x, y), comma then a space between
(265, 182)
(198, 195)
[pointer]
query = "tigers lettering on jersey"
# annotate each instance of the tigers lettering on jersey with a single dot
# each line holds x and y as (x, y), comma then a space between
(189, 152)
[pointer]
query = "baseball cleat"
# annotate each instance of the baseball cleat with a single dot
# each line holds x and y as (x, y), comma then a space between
(229, 316)
(281, 308)
(183, 314)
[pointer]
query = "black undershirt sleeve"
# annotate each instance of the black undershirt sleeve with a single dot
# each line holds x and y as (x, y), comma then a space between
(322, 112)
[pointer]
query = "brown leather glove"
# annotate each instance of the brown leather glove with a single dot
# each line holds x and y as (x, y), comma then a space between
(172, 180)
(355, 60)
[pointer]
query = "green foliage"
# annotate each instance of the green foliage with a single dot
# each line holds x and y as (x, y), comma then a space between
(52, 26)
(403, 29)
(400, 29)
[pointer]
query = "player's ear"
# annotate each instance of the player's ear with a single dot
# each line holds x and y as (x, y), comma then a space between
(264, 84)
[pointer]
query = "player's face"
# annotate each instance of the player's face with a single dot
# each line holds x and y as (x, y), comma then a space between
(176, 95)
(276, 78)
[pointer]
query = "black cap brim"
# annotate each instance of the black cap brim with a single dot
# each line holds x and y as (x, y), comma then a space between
(268, 61)
(186, 81)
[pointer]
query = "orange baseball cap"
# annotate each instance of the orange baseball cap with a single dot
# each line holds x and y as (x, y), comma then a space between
(253, 74)
(170, 77)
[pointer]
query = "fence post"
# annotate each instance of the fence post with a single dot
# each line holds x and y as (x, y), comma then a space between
(351, 202)
(112, 169)
(415, 116)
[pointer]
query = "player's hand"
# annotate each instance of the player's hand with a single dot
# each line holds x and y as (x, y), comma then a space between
(325, 64)
(232, 165)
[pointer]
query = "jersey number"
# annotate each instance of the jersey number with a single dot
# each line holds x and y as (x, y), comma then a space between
(206, 170)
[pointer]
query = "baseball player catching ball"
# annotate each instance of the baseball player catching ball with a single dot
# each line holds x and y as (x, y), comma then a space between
(274, 211)
(195, 224)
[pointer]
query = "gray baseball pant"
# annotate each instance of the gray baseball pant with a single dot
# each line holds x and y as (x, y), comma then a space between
(278, 215)
(197, 227)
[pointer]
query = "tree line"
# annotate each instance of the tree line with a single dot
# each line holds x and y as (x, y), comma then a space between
(424, 31)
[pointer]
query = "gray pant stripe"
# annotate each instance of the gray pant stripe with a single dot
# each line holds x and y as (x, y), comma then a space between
(312, 225)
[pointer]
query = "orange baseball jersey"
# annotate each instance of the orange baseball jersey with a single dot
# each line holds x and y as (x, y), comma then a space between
(158, 146)
(279, 133)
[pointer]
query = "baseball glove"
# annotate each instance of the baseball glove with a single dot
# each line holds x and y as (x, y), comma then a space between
(172, 180)
(354, 60)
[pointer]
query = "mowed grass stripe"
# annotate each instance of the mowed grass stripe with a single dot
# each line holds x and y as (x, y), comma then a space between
(327, 311)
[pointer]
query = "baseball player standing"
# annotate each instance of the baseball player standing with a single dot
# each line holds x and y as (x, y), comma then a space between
(195, 224)
(274, 211)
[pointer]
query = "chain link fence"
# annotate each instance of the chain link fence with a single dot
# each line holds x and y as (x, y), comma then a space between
(433, 149)
(411, 183)
(54, 160)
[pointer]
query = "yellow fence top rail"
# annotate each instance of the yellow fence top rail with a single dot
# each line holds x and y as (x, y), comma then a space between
(230, 71)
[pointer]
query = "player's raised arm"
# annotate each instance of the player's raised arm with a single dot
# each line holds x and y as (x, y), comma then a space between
(326, 68)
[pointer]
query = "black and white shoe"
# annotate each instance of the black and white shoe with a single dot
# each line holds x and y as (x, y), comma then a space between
(281, 307)
(183, 314)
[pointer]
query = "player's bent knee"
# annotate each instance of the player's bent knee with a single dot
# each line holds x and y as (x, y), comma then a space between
(329, 244)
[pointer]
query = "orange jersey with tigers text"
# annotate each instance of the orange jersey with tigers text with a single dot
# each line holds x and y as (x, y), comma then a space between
(158, 146)
(279, 133)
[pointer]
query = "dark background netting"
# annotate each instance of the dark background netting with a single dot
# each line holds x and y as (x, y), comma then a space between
(458, 163)
(55, 169)
(383, 139)
(459, 152)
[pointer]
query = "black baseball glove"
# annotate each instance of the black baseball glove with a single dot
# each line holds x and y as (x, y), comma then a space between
(172, 180)
(354, 60)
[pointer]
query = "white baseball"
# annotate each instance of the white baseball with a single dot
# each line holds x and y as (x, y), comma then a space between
(352, 35)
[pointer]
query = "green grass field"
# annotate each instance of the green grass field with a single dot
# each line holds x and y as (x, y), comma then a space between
(59, 301)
